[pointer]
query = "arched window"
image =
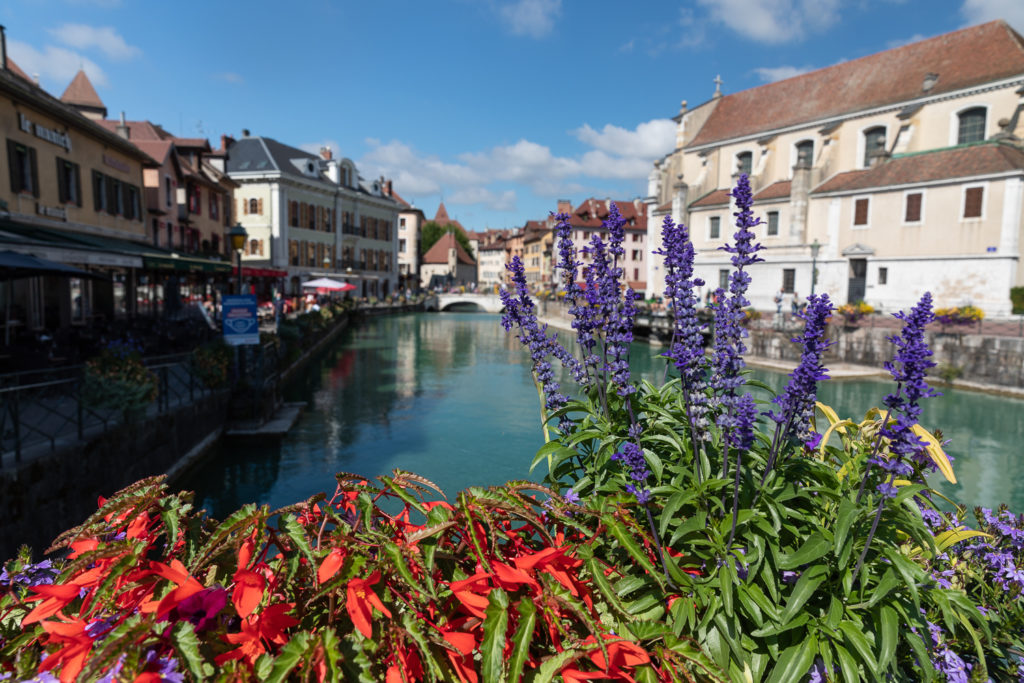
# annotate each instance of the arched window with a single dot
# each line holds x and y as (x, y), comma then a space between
(874, 142)
(254, 206)
(744, 162)
(971, 126)
(805, 153)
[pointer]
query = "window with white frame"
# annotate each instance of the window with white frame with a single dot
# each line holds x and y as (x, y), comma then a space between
(874, 143)
(805, 153)
(971, 125)
(913, 207)
(744, 162)
(861, 212)
(973, 202)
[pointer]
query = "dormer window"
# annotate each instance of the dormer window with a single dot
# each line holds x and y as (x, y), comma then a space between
(874, 142)
(804, 153)
(971, 126)
(744, 162)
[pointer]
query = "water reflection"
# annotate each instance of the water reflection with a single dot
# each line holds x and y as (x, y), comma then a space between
(449, 396)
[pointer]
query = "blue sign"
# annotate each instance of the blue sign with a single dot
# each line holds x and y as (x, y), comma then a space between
(241, 326)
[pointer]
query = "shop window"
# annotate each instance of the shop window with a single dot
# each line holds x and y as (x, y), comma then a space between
(21, 161)
(788, 280)
(69, 183)
(971, 125)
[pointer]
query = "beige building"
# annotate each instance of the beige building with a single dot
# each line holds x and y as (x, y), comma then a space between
(410, 223)
(447, 264)
(903, 168)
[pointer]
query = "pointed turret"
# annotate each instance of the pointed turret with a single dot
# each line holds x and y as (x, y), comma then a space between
(82, 96)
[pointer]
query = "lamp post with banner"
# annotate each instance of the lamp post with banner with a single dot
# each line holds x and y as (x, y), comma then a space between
(238, 236)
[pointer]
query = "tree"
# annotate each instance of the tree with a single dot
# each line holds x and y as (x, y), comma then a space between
(432, 231)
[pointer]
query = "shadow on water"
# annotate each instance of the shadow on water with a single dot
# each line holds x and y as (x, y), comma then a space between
(449, 396)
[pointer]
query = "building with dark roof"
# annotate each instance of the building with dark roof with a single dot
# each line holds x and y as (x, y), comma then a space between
(903, 169)
(317, 216)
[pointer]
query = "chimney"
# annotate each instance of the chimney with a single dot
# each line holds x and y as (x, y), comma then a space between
(564, 206)
(326, 153)
(3, 48)
(245, 132)
(387, 187)
(122, 128)
(225, 141)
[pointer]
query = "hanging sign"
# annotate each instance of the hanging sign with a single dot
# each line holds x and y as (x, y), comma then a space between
(241, 326)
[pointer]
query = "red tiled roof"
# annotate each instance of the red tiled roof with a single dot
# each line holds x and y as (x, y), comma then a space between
(958, 162)
(16, 70)
(714, 198)
(774, 191)
(591, 212)
(202, 143)
(398, 198)
(439, 252)
(80, 91)
(156, 149)
(664, 208)
(442, 219)
(971, 56)
(138, 130)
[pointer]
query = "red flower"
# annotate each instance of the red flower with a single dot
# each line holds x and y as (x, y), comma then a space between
(76, 645)
(330, 566)
(360, 599)
(54, 598)
(248, 591)
(177, 574)
(258, 629)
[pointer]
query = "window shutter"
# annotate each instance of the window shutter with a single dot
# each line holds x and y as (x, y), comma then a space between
(78, 184)
(972, 202)
(62, 181)
(245, 206)
(97, 192)
(913, 214)
(12, 166)
(259, 206)
(35, 171)
(860, 212)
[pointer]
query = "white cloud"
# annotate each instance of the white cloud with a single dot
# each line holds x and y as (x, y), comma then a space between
(615, 156)
(103, 38)
(980, 11)
(780, 73)
(229, 77)
(774, 21)
(649, 139)
(533, 18)
(900, 42)
(56, 63)
(627, 47)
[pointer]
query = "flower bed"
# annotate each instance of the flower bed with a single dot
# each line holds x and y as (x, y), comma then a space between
(683, 531)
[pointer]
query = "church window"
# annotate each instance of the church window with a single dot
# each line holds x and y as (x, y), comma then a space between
(773, 223)
(805, 153)
(971, 126)
(861, 209)
(874, 142)
(912, 212)
(974, 202)
(744, 162)
(715, 228)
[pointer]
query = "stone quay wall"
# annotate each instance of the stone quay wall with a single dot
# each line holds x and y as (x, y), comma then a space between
(980, 358)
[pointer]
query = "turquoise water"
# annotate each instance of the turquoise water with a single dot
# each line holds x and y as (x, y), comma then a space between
(449, 397)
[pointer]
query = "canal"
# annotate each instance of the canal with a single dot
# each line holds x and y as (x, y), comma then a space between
(449, 397)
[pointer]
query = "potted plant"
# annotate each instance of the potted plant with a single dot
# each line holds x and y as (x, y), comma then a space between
(118, 379)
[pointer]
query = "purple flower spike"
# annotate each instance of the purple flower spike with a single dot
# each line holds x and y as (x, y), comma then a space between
(796, 403)
(632, 456)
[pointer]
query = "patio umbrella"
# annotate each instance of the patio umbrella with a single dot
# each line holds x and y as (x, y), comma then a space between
(329, 285)
(14, 266)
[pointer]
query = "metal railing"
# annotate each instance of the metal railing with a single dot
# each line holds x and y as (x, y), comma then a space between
(37, 411)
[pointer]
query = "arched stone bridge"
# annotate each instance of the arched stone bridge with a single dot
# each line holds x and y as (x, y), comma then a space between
(491, 303)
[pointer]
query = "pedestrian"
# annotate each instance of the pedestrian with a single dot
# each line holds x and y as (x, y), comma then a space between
(778, 302)
(796, 304)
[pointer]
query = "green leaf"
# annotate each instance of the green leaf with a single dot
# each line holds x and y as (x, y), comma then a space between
(628, 542)
(554, 452)
(550, 667)
(297, 535)
(847, 665)
(794, 662)
(889, 622)
(289, 657)
(845, 518)
(672, 506)
(493, 646)
(726, 578)
(921, 655)
(854, 637)
(910, 572)
(814, 547)
(183, 636)
(521, 640)
(805, 587)
(244, 516)
(884, 587)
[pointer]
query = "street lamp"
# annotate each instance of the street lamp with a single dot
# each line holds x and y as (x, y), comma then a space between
(238, 235)
(815, 248)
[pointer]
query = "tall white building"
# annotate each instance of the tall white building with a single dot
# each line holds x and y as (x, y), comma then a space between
(904, 171)
(317, 217)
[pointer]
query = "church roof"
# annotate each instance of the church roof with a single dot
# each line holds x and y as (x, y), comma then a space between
(778, 190)
(80, 92)
(442, 219)
(943, 164)
(713, 198)
(439, 252)
(962, 59)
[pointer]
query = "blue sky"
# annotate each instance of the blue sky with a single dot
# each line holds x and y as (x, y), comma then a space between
(501, 107)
